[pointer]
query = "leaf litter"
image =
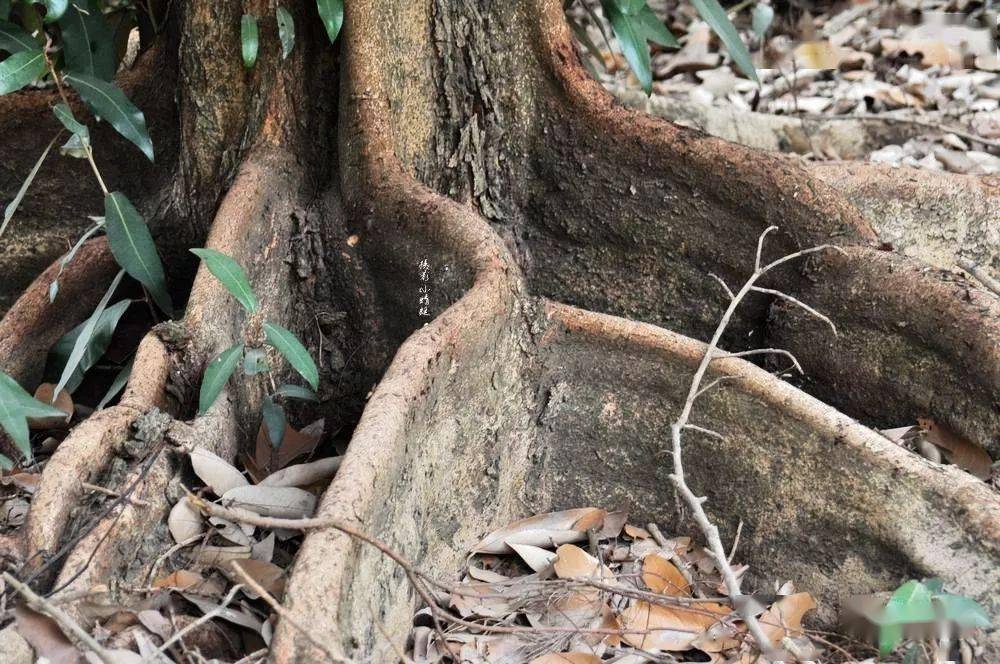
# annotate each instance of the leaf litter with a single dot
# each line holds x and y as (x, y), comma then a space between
(583, 585)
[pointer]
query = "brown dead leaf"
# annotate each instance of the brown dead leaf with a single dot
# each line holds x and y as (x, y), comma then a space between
(218, 474)
(932, 53)
(551, 529)
(185, 521)
(304, 474)
(283, 502)
(784, 618)
(294, 444)
(567, 658)
(572, 562)
(635, 532)
(63, 402)
(24, 481)
(673, 628)
(662, 576)
(270, 577)
(962, 452)
(187, 580)
(45, 636)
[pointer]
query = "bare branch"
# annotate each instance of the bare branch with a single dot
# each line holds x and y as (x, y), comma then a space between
(42, 605)
(800, 303)
(725, 287)
(707, 432)
(760, 247)
(759, 351)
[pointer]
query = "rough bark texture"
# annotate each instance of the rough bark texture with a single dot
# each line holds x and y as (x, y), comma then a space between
(469, 136)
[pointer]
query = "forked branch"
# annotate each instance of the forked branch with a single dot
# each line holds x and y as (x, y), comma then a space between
(695, 502)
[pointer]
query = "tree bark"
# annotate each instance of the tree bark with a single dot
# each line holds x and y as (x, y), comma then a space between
(570, 242)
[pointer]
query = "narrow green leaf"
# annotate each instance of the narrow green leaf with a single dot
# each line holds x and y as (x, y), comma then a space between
(274, 420)
(54, 9)
(231, 275)
(111, 104)
(286, 31)
(83, 340)
(65, 115)
(910, 603)
(763, 16)
(6, 463)
(88, 41)
(633, 45)
(592, 50)
(296, 392)
(121, 378)
(250, 40)
(20, 69)
(14, 39)
(889, 636)
(133, 247)
(74, 147)
(4, 10)
(11, 208)
(288, 345)
(653, 29)
(255, 361)
(331, 12)
(716, 17)
(217, 374)
(54, 286)
(16, 406)
(96, 346)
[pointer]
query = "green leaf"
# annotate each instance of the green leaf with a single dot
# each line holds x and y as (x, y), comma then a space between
(111, 104)
(217, 373)
(8, 213)
(16, 406)
(288, 345)
(14, 39)
(95, 347)
(296, 392)
(5, 462)
(286, 31)
(274, 420)
(133, 247)
(331, 12)
(653, 28)
(54, 286)
(633, 45)
(592, 50)
(20, 69)
(121, 378)
(255, 361)
(763, 16)
(65, 115)
(230, 275)
(4, 10)
(86, 334)
(716, 17)
(54, 9)
(74, 147)
(88, 41)
(249, 39)
(910, 603)
(963, 611)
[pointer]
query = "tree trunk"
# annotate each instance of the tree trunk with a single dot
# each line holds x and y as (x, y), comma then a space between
(569, 242)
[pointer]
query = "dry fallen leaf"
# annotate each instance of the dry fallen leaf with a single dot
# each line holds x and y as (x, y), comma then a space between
(185, 521)
(266, 459)
(549, 529)
(218, 474)
(63, 402)
(182, 579)
(282, 502)
(662, 576)
(270, 577)
(784, 618)
(24, 481)
(635, 532)
(673, 628)
(932, 53)
(567, 658)
(304, 474)
(45, 636)
(959, 451)
(537, 558)
(572, 562)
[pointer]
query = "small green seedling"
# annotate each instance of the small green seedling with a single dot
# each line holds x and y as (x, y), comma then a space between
(251, 352)
(921, 602)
